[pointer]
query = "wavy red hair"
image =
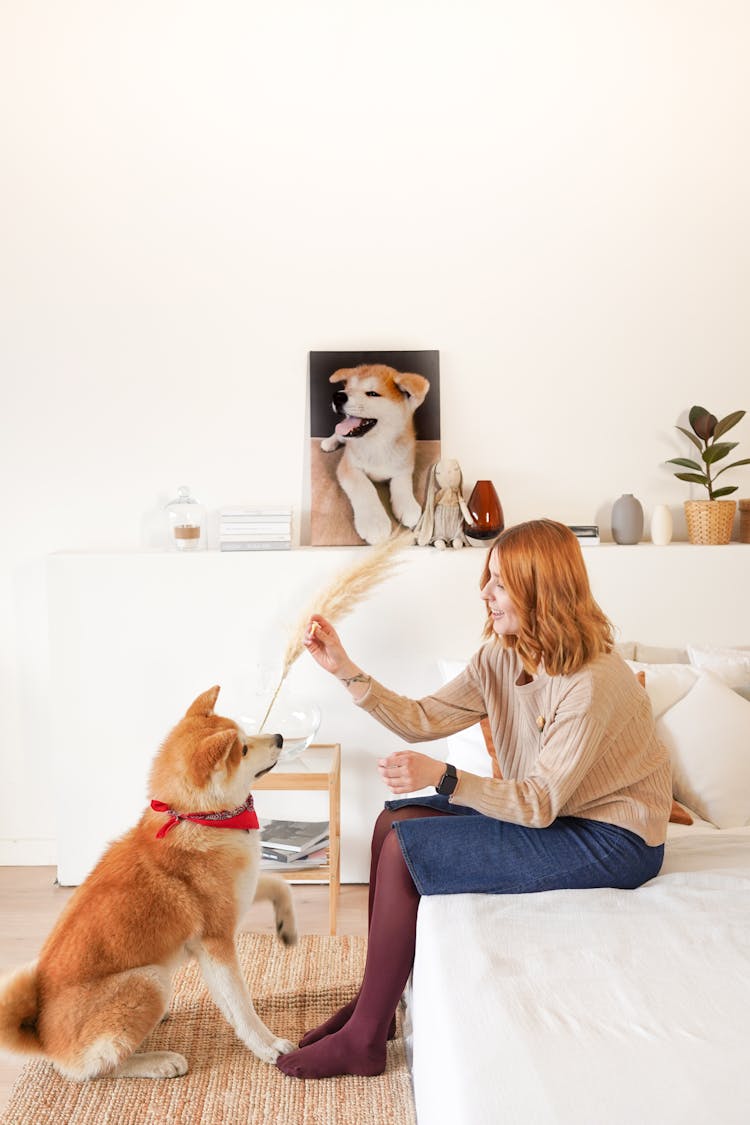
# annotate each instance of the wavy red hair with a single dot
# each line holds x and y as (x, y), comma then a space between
(545, 577)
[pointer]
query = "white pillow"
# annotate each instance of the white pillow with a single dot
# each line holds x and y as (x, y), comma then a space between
(666, 684)
(732, 665)
(655, 654)
(707, 733)
(466, 749)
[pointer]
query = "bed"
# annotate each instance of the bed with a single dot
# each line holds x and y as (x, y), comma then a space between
(605, 1006)
(586, 1007)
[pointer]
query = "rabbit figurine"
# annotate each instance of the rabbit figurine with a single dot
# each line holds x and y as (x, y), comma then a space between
(442, 521)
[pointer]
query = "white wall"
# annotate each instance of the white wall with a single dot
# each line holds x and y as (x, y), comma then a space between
(195, 195)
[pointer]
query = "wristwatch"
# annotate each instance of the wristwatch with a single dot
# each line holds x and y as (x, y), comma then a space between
(448, 781)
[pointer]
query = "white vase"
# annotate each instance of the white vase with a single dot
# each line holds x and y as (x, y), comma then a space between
(661, 525)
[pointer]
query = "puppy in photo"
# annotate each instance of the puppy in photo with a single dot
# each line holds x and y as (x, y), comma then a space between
(175, 886)
(376, 405)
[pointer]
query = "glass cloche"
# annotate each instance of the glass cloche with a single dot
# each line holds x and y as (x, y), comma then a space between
(295, 718)
(186, 522)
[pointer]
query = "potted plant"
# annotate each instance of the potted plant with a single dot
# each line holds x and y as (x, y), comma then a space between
(709, 521)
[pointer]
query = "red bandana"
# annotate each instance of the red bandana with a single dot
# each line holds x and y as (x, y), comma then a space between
(244, 817)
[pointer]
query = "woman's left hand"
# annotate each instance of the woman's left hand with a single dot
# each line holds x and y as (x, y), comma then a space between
(406, 770)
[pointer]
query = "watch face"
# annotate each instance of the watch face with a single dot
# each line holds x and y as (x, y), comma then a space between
(448, 781)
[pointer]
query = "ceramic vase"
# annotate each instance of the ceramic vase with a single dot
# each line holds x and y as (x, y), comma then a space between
(486, 513)
(661, 525)
(627, 519)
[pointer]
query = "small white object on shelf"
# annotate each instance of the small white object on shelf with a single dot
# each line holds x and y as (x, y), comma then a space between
(661, 525)
(255, 529)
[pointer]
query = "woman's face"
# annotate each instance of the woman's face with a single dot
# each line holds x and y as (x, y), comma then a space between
(504, 617)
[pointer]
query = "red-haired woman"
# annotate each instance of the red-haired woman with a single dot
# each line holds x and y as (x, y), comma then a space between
(584, 796)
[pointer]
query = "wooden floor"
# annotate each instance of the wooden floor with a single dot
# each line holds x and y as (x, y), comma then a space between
(31, 903)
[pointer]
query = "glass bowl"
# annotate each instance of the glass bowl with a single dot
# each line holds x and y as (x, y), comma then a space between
(296, 720)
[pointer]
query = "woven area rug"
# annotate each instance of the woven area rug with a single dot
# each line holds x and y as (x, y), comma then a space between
(293, 990)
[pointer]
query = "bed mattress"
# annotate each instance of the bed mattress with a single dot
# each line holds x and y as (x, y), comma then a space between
(590, 1007)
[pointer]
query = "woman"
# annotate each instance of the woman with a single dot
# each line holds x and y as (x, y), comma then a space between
(585, 792)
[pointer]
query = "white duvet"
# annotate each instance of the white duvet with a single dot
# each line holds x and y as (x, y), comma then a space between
(590, 1007)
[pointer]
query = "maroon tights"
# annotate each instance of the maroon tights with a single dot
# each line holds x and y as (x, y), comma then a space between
(353, 1040)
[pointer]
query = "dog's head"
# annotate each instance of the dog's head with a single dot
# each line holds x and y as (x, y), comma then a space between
(373, 394)
(207, 762)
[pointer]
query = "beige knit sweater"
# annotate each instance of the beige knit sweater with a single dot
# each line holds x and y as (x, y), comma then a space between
(581, 745)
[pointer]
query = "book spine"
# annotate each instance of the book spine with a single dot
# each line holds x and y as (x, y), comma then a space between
(264, 525)
(257, 532)
(255, 513)
(254, 546)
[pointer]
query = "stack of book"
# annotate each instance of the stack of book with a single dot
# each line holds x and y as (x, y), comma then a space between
(587, 534)
(292, 845)
(255, 529)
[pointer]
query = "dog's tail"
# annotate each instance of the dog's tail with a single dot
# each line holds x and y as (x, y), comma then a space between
(274, 888)
(19, 1008)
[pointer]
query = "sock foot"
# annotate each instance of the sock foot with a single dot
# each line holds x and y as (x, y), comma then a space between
(335, 1022)
(338, 1053)
(328, 1027)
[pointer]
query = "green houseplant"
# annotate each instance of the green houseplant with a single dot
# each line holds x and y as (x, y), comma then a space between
(710, 520)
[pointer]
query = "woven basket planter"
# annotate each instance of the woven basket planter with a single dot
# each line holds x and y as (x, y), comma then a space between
(710, 521)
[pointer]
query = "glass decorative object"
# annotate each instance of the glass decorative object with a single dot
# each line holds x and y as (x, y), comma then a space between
(186, 522)
(296, 719)
(486, 514)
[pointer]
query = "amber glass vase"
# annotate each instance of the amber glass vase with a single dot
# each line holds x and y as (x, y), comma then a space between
(486, 512)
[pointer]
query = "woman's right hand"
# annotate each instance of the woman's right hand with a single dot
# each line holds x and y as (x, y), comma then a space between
(324, 645)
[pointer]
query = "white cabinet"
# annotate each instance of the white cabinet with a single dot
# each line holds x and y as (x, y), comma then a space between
(135, 637)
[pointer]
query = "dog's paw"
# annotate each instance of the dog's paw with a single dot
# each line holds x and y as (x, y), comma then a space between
(283, 1046)
(328, 444)
(373, 528)
(167, 1064)
(269, 1054)
(410, 515)
(286, 928)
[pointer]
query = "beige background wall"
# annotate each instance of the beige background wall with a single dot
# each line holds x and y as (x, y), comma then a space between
(194, 195)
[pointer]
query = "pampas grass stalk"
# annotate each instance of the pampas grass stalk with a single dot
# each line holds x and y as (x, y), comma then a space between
(343, 595)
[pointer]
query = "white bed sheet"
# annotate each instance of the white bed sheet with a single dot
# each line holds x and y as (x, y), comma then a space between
(590, 1007)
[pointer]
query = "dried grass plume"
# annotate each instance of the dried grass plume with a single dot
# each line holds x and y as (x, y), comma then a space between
(343, 595)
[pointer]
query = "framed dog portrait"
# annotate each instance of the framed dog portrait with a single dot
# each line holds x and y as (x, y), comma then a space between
(374, 433)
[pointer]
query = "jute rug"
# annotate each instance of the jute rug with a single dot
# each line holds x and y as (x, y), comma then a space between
(293, 990)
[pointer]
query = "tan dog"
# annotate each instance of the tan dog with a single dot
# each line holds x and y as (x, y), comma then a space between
(377, 404)
(169, 889)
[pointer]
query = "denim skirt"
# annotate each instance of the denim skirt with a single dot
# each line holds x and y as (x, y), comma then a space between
(470, 852)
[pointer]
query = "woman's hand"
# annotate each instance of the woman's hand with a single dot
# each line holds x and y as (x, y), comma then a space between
(324, 645)
(406, 770)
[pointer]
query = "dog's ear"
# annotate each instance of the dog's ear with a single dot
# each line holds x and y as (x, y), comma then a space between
(341, 375)
(414, 386)
(211, 754)
(204, 704)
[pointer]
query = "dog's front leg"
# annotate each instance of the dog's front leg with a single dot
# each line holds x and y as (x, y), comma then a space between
(371, 521)
(405, 507)
(221, 972)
